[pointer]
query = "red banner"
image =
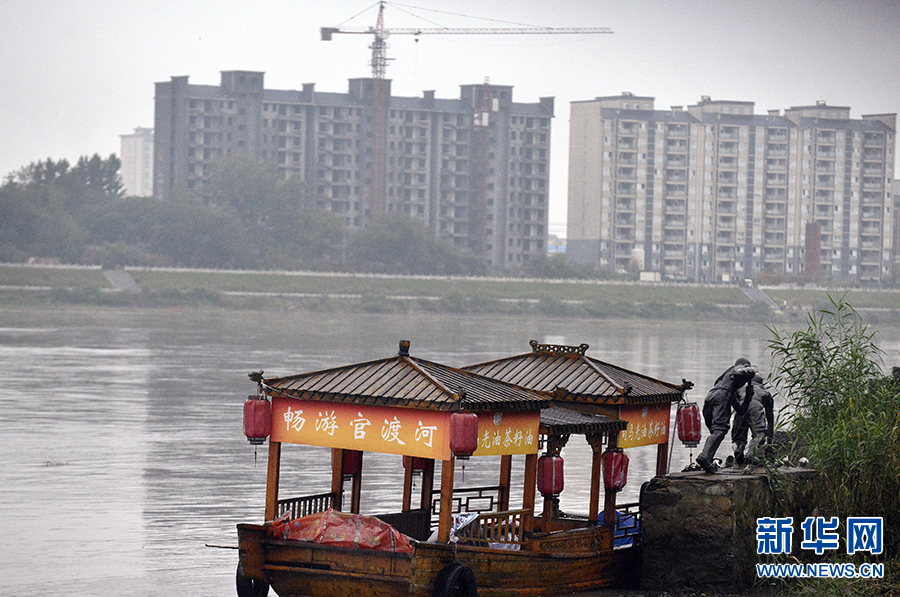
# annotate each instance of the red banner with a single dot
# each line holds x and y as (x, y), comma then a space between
(411, 432)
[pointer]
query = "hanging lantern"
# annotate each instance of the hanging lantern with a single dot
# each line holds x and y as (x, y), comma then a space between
(351, 461)
(687, 419)
(550, 475)
(615, 470)
(414, 463)
(463, 434)
(257, 419)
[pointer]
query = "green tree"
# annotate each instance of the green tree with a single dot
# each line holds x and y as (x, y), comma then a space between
(289, 230)
(398, 244)
(100, 177)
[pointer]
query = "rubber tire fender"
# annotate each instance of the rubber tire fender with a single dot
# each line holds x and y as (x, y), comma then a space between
(249, 587)
(456, 580)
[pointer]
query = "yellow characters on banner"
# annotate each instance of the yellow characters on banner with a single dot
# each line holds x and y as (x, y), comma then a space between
(647, 425)
(411, 432)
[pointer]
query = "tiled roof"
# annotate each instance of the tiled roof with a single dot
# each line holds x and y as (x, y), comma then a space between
(407, 381)
(564, 421)
(574, 377)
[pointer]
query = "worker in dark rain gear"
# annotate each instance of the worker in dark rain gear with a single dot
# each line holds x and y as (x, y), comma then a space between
(721, 399)
(759, 420)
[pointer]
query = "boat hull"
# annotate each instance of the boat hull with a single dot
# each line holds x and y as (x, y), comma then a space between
(560, 564)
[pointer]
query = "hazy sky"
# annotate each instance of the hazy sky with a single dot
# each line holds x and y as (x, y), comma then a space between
(77, 74)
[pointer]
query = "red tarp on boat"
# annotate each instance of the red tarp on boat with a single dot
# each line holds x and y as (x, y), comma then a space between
(343, 530)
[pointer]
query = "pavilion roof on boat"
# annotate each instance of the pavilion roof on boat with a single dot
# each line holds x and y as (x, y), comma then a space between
(579, 382)
(409, 382)
(574, 377)
(563, 421)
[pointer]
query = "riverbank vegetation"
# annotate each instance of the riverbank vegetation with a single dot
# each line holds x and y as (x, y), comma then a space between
(382, 293)
(844, 416)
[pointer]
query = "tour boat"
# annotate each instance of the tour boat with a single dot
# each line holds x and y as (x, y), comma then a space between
(453, 539)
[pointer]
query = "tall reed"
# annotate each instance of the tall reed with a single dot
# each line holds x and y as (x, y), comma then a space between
(843, 413)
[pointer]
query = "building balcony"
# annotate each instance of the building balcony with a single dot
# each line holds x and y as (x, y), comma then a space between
(873, 139)
(728, 147)
(872, 197)
(870, 257)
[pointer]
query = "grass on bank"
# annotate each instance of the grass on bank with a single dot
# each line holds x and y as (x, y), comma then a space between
(387, 294)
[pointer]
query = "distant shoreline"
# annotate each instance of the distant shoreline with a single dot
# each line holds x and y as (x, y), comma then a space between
(383, 293)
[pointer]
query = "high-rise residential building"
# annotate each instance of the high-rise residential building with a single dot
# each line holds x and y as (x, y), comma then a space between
(474, 169)
(713, 192)
(137, 162)
(896, 269)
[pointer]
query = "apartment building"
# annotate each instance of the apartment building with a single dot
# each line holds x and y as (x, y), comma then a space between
(474, 169)
(136, 151)
(714, 192)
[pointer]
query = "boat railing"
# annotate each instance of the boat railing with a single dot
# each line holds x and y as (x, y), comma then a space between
(628, 524)
(496, 528)
(467, 499)
(305, 505)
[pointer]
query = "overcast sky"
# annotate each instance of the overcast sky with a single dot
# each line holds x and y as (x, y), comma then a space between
(76, 74)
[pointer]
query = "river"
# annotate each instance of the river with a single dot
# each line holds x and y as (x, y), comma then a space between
(122, 451)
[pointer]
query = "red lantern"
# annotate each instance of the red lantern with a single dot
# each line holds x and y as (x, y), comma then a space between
(615, 470)
(687, 419)
(351, 461)
(463, 434)
(257, 419)
(415, 463)
(550, 475)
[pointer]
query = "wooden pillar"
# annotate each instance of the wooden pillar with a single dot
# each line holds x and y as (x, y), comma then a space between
(596, 442)
(609, 497)
(407, 485)
(505, 481)
(662, 459)
(337, 478)
(356, 488)
(446, 514)
(272, 478)
(427, 484)
(529, 489)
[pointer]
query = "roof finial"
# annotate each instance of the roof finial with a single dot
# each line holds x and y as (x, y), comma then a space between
(404, 348)
(559, 349)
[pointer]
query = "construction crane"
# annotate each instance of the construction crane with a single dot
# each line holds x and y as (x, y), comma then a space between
(377, 98)
(379, 43)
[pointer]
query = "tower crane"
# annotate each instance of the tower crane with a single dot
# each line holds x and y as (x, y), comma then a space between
(380, 33)
(378, 99)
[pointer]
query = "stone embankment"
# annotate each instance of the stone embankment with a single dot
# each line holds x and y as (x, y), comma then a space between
(699, 530)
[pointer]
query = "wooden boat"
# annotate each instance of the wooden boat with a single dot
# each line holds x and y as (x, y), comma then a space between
(424, 411)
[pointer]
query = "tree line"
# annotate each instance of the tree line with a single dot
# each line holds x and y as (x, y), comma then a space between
(246, 216)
